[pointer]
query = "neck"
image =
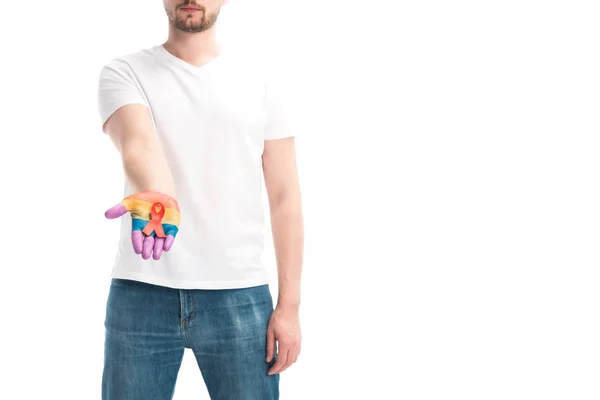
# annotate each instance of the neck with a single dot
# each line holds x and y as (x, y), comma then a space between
(196, 48)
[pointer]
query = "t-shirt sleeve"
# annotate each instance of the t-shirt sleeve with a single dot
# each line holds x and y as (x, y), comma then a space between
(280, 109)
(117, 86)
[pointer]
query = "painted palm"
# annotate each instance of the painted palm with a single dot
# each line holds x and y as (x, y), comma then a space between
(154, 221)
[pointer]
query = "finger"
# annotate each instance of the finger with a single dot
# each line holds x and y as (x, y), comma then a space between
(168, 242)
(147, 247)
(291, 358)
(171, 232)
(137, 240)
(270, 344)
(294, 355)
(158, 248)
(116, 211)
(282, 356)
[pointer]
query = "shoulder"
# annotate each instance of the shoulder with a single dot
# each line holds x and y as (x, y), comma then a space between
(129, 62)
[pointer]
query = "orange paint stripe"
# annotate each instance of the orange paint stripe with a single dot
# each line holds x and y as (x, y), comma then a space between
(153, 197)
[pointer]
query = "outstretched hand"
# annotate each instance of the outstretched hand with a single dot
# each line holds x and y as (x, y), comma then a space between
(155, 221)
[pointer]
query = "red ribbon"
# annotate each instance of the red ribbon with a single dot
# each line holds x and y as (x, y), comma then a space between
(157, 211)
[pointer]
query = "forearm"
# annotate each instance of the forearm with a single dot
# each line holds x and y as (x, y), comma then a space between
(131, 130)
(146, 168)
(288, 238)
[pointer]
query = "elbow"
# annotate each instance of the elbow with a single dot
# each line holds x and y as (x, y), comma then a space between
(285, 202)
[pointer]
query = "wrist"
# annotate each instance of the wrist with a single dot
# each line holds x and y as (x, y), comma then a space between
(288, 303)
(151, 191)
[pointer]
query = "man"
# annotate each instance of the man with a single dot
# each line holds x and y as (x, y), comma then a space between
(198, 127)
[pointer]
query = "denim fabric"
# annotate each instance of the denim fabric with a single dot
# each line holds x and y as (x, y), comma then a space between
(148, 327)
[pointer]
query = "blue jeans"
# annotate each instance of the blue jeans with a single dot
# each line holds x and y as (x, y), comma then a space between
(148, 327)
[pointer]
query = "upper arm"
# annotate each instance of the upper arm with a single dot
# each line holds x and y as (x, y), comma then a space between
(279, 154)
(281, 109)
(123, 107)
(280, 170)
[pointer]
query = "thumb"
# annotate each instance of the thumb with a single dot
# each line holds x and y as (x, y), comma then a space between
(116, 211)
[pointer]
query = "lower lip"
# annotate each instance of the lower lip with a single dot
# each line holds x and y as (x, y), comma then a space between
(190, 10)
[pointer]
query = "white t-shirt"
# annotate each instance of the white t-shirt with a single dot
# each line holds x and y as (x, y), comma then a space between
(212, 122)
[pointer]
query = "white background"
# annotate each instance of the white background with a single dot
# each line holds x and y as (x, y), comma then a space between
(449, 168)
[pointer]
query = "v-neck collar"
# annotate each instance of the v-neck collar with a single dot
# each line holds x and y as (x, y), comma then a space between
(174, 60)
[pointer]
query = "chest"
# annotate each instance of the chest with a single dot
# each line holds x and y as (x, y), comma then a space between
(208, 106)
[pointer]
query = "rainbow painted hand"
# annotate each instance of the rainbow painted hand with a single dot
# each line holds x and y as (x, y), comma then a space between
(155, 221)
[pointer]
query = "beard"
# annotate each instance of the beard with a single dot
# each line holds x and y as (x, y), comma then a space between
(193, 23)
